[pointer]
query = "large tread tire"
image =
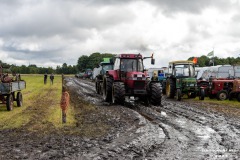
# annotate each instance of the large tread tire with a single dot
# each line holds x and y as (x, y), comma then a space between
(222, 95)
(19, 99)
(230, 96)
(202, 94)
(170, 88)
(9, 103)
(107, 89)
(118, 93)
(156, 94)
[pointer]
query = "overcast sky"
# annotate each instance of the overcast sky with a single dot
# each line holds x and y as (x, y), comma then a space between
(53, 32)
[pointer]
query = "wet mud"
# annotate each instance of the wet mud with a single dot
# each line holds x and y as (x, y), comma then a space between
(174, 130)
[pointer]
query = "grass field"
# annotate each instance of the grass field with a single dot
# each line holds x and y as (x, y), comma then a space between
(41, 105)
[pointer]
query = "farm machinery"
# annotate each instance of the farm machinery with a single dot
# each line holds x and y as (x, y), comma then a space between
(8, 87)
(181, 81)
(129, 79)
(220, 88)
(105, 65)
(235, 93)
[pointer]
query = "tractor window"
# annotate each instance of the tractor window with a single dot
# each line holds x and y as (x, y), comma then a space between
(130, 65)
(117, 64)
(184, 71)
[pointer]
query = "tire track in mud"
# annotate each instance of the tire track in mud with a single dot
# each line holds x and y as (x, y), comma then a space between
(190, 133)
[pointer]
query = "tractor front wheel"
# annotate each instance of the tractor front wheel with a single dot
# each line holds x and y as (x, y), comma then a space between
(170, 88)
(202, 94)
(107, 89)
(156, 94)
(222, 95)
(118, 93)
(179, 95)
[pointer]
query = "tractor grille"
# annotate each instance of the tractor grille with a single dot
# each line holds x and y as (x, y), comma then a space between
(139, 84)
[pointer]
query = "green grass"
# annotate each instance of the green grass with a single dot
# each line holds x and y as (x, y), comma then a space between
(35, 94)
(232, 103)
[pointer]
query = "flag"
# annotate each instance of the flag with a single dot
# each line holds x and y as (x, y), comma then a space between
(195, 60)
(210, 54)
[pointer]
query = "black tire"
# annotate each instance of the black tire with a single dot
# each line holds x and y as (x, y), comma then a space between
(202, 94)
(238, 97)
(9, 103)
(170, 88)
(118, 93)
(19, 99)
(155, 94)
(222, 95)
(107, 89)
(179, 95)
(230, 96)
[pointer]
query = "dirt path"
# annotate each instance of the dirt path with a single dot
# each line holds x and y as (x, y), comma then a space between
(177, 130)
(186, 130)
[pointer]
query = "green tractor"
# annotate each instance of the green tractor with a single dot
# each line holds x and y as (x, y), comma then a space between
(181, 81)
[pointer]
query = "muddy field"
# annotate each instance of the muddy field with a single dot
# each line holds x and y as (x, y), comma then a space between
(176, 130)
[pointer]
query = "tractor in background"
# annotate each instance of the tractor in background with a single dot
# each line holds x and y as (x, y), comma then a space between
(220, 88)
(129, 79)
(105, 65)
(181, 81)
(235, 93)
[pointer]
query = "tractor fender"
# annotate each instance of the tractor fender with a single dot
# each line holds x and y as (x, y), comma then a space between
(113, 74)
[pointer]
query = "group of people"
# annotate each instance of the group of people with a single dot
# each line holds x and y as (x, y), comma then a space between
(51, 78)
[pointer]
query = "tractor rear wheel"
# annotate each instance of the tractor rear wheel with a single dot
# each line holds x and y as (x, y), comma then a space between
(118, 93)
(170, 88)
(202, 94)
(222, 95)
(107, 89)
(155, 94)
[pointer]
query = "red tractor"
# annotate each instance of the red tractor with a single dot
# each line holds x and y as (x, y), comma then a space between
(128, 78)
(235, 93)
(220, 88)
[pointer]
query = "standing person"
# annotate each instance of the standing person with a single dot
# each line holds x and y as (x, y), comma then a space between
(52, 78)
(45, 78)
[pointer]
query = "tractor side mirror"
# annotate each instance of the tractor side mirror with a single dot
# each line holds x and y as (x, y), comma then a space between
(152, 61)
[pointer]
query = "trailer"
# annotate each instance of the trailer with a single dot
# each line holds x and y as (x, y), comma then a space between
(10, 92)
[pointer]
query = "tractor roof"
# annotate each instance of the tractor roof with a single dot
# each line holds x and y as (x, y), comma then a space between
(106, 61)
(181, 62)
(129, 55)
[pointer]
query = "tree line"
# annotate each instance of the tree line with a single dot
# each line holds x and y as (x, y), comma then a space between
(90, 62)
(204, 61)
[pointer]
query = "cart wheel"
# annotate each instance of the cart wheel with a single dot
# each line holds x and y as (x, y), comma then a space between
(19, 99)
(9, 102)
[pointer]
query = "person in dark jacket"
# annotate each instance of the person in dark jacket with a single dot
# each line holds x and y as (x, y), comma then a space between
(52, 78)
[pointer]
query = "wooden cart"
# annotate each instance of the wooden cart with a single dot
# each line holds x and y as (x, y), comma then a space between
(10, 92)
